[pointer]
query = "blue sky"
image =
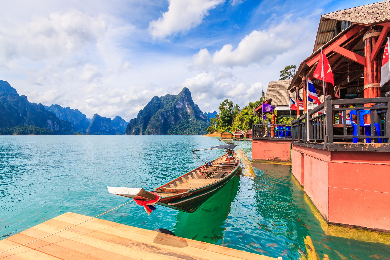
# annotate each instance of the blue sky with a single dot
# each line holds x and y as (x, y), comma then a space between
(112, 57)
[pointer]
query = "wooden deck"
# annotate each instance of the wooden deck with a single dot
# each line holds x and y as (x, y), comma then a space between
(74, 236)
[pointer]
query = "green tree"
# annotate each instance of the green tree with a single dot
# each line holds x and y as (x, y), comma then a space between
(288, 72)
(246, 118)
(232, 118)
(226, 115)
(213, 125)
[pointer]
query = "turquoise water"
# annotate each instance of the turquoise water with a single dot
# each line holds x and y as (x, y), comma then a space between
(42, 177)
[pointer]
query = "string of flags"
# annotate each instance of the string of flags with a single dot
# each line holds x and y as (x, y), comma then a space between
(293, 104)
(311, 96)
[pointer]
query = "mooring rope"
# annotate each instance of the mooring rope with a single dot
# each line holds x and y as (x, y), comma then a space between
(196, 160)
(59, 231)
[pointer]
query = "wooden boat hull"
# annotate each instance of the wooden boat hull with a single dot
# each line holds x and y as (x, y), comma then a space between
(189, 191)
(192, 201)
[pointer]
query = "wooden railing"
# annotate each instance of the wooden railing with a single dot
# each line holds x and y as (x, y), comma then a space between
(271, 131)
(360, 120)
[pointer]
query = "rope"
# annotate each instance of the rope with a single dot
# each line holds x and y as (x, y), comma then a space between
(66, 228)
(196, 160)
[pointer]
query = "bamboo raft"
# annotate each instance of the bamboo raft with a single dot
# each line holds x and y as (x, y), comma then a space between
(73, 236)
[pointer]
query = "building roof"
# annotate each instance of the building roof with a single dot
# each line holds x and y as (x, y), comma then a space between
(325, 33)
(332, 24)
(365, 14)
(239, 132)
(277, 91)
(340, 30)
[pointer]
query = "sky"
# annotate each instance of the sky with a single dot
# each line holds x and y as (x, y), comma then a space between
(112, 57)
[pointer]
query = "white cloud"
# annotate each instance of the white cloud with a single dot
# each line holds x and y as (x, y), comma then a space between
(90, 72)
(223, 75)
(202, 83)
(209, 90)
(258, 47)
(62, 34)
(181, 16)
(203, 59)
(114, 101)
(237, 2)
(91, 57)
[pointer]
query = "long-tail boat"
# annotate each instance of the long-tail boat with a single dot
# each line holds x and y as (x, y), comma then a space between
(189, 191)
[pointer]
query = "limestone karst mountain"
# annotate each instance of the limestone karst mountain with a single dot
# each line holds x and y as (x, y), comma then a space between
(170, 114)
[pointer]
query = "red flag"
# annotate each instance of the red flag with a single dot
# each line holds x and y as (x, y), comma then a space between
(323, 70)
(385, 70)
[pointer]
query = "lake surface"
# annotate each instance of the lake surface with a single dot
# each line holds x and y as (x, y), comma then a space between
(42, 177)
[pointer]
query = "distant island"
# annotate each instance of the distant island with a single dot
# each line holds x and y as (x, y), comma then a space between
(167, 115)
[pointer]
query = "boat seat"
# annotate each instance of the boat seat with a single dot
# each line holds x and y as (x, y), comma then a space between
(219, 175)
(196, 183)
(174, 190)
(200, 181)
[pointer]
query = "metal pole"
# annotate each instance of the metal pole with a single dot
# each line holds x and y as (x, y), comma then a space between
(262, 115)
(307, 110)
(297, 101)
(323, 74)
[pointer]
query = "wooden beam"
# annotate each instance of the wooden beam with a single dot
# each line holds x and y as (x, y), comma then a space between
(382, 37)
(350, 45)
(350, 55)
(334, 60)
(336, 44)
(338, 63)
(354, 41)
(343, 80)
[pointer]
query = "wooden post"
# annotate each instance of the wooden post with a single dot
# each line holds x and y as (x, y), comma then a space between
(387, 123)
(307, 128)
(304, 82)
(297, 101)
(376, 71)
(371, 78)
(328, 120)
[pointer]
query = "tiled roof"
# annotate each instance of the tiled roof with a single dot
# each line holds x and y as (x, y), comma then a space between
(366, 14)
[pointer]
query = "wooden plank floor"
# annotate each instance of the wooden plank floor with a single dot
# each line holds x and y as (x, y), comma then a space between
(74, 236)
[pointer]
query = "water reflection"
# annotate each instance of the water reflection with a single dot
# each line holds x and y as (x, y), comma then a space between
(286, 217)
(207, 223)
(42, 177)
(278, 203)
(11, 173)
